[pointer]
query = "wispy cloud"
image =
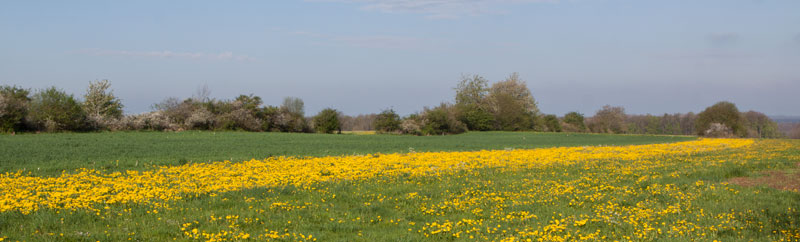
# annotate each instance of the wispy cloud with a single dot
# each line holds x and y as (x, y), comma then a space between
(222, 56)
(434, 8)
(368, 41)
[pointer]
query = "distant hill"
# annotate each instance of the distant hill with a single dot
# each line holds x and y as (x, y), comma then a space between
(785, 119)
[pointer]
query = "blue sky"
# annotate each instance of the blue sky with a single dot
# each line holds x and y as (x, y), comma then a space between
(362, 56)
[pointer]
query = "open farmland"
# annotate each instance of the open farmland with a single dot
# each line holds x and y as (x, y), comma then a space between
(674, 191)
(49, 154)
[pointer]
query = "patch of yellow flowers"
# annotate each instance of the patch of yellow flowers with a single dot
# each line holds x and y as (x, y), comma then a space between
(87, 189)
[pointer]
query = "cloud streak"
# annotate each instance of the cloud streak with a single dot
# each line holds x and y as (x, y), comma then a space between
(222, 56)
(434, 8)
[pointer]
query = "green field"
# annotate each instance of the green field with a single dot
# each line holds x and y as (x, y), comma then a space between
(660, 194)
(48, 154)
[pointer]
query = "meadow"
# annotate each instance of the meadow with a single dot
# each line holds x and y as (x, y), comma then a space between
(51, 153)
(477, 187)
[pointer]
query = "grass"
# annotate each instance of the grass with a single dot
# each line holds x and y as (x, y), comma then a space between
(674, 198)
(50, 154)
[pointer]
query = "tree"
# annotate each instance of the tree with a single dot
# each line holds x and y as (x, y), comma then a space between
(13, 108)
(292, 116)
(575, 120)
(327, 121)
(512, 104)
(609, 120)
(387, 122)
(552, 124)
(472, 105)
(294, 105)
(760, 126)
(472, 90)
(724, 113)
(100, 102)
(54, 110)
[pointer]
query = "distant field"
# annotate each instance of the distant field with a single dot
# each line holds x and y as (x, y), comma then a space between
(48, 154)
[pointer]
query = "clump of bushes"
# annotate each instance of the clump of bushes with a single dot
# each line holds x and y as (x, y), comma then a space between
(505, 105)
(53, 110)
(441, 120)
(327, 121)
(573, 122)
(387, 122)
(14, 103)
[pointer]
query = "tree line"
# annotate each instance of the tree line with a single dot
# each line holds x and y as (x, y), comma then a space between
(506, 105)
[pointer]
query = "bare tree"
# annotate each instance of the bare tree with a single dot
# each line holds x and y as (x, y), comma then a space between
(294, 105)
(609, 120)
(203, 94)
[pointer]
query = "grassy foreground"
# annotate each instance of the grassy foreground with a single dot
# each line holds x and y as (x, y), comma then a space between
(49, 154)
(668, 192)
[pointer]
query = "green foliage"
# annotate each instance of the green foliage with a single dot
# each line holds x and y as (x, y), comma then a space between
(724, 113)
(551, 123)
(654, 125)
(327, 121)
(475, 117)
(268, 116)
(249, 102)
(576, 121)
(441, 120)
(387, 122)
(513, 105)
(472, 90)
(760, 126)
(511, 114)
(13, 108)
(52, 109)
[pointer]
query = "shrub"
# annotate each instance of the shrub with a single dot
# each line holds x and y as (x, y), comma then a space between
(551, 123)
(176, 110)
(724, 113)
(609, 120)
(441, 120)
(269, 117)
(576, 122)
(476, 117)
(411, 125)
(156, 121)
(760, 126)
(54, 110)
(201, 119)
(387, 122)
(327, 121)
(241, 117)
(13, 108)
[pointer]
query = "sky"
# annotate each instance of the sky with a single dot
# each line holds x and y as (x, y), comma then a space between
(364, 56)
